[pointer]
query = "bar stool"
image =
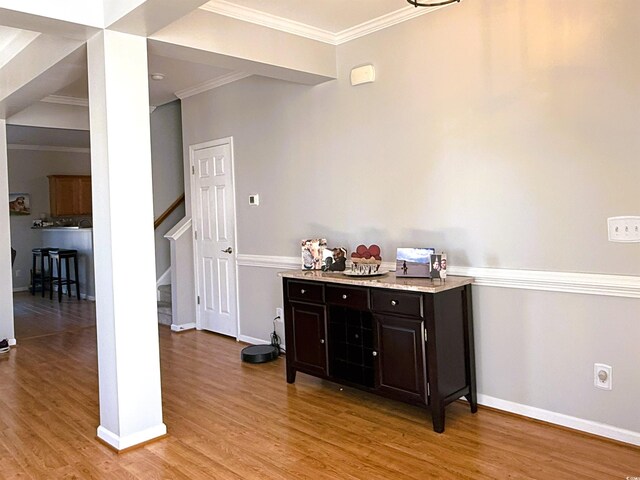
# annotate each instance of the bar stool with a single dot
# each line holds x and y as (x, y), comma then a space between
(56, 257)
(43, 276)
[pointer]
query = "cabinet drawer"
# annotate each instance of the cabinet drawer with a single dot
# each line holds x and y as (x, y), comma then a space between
(348, 297)
(390, 301)
(307, 292)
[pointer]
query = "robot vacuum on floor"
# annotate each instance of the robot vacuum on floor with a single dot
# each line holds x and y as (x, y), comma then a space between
(259, 353)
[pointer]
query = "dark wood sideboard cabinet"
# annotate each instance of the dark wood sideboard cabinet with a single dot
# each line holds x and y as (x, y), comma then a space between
(405, 339)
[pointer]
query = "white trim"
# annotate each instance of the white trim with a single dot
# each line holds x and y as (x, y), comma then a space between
(66, 100)
(47, 148)
(596, 428)
(253, 340)
(75, 101)
(547, 281)
(193, 200)
(257, 17)
(182, 327)
(165, 278)
(120, 443)
(385, 21)
(264, 19)
(211, 84)
(267, 261)
(178, 229)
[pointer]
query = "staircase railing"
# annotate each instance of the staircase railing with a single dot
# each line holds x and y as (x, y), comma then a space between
(158, 221)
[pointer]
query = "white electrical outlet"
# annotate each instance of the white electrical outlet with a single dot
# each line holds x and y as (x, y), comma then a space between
(624, 229)
(602, 376)
(279, 314)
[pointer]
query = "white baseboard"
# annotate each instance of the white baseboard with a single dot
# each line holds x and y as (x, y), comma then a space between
(253, 340)
(120, 443)
(183, 327)
(596, 428)
(258, 341)
(21, 289)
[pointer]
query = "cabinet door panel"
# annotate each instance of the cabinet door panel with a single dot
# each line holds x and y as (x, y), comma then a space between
(309, 338)
(401, 365)
(84, 194)
(64, 196)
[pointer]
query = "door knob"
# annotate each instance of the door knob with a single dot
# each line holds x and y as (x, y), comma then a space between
(227, 250)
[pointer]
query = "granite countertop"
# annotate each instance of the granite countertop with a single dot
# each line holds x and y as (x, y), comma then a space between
(388, 280)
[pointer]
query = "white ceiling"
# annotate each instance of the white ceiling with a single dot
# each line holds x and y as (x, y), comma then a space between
(332, 16)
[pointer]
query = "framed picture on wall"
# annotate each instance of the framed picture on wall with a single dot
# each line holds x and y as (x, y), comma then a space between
(19, 204)
(414, 262)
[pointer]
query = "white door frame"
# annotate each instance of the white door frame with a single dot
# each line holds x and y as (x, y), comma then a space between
(196, 253)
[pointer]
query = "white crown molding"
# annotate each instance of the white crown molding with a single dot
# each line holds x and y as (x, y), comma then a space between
(385, 21)
(589, 426)
(257, 17)
(47, 148)
(64, 100)
(211, 84)
(75, 101)
(246, 14)
(583, 283)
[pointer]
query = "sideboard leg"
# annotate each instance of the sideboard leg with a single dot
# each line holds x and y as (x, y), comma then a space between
(437, 415)
(291, 375)
(470, 354)
(473, 401)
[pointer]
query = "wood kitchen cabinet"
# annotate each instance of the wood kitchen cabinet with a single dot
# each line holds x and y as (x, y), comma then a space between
(406, 339)
(70, 195)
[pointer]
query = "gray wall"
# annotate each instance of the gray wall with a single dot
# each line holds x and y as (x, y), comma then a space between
(166, 157)
(28, 170)
(502, 132)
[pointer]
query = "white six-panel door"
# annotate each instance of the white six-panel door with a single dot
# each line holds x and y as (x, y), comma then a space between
(213, 215)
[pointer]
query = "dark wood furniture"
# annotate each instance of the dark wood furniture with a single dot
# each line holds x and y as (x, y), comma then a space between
(57, 258)
(70, 195)
(406, 339)
(40, 256)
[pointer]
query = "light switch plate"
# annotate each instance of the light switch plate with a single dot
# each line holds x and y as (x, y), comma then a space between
(624, 229)
(254, 199)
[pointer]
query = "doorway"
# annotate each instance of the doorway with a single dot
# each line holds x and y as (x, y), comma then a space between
(214, 223)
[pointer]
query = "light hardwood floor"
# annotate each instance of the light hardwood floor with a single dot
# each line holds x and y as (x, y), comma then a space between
(229, 420)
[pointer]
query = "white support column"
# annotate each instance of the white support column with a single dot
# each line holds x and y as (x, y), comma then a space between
(127, 323)
(6, 281)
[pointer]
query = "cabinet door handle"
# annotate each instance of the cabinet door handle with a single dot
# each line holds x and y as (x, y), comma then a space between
(374, 353)
(302, 291)
(394, 303)
(322, 340)
(344, 296)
